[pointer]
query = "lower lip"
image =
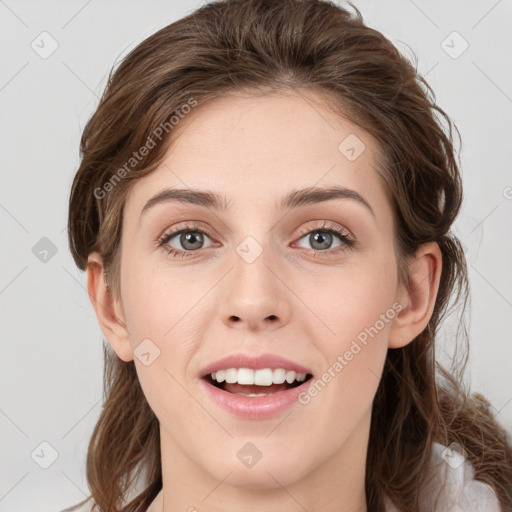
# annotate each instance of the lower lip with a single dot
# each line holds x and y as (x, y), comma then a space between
(255, 407)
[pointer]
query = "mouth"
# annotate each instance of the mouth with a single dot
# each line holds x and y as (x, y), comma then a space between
(238, 381)
(255, 387)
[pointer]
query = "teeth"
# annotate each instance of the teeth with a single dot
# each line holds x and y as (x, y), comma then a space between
(263, 377)
(290, 377)
(278, 376)
(231, 375)
(252, 394)
(245, 376)
(221, 376)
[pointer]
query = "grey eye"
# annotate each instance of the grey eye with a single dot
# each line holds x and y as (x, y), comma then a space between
(320, 240)
(189, 240)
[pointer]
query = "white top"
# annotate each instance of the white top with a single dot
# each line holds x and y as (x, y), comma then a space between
(461, 492)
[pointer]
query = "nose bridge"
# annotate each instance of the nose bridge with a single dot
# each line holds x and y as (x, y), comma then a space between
(253, 294)
(252, 278)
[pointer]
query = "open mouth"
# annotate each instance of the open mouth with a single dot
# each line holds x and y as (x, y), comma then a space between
(255, 389)
(258, 392)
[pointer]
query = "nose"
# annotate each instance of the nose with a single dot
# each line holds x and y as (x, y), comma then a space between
(254, 296)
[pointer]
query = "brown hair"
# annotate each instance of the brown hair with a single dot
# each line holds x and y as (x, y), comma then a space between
(257, 45)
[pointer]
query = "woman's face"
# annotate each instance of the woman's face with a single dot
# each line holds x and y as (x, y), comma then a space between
(266, 278)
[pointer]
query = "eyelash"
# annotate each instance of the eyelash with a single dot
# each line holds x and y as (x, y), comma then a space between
(347, 241)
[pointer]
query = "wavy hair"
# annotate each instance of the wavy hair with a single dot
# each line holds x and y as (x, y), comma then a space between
(268, 45)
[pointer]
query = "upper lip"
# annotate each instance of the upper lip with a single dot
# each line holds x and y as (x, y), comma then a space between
(272, 361)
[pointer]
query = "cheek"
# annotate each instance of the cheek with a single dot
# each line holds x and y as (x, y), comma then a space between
(158, 302)
(161, 313)
(353, 300)
(358, 309)
(342, 394)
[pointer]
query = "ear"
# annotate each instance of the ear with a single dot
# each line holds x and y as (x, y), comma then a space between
(108, 309)
(419, 296)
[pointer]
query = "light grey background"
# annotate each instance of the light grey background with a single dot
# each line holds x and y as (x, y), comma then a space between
(51, 357)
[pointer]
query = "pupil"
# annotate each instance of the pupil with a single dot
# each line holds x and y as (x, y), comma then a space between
(324, 236)
(190, 238)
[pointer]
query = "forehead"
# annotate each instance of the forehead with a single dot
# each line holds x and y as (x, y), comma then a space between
(255, 149)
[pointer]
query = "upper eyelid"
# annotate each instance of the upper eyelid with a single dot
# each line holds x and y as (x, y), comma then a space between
(302, 231)
(326, 226)
(187, 226)
(348, 242)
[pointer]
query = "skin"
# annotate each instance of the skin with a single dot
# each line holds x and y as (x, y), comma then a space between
(254, 150)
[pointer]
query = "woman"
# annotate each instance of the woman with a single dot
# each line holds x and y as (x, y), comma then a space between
(263, 208)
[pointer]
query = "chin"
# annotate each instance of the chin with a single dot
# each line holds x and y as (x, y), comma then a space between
(268, 472)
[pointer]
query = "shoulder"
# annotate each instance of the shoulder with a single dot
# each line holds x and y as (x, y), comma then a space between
(461, 491)
(452, 486)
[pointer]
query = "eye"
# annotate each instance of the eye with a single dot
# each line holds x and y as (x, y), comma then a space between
(191, 238)
(322, 238)
(188, 239)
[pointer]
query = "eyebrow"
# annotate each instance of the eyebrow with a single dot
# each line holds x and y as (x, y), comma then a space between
(293, 199)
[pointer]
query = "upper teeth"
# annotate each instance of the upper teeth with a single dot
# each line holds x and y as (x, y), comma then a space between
(264, 377)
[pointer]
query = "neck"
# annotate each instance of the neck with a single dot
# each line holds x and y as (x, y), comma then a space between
(335, 484)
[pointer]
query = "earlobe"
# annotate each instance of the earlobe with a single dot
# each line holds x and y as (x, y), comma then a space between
(108, 310)
(419, 296)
